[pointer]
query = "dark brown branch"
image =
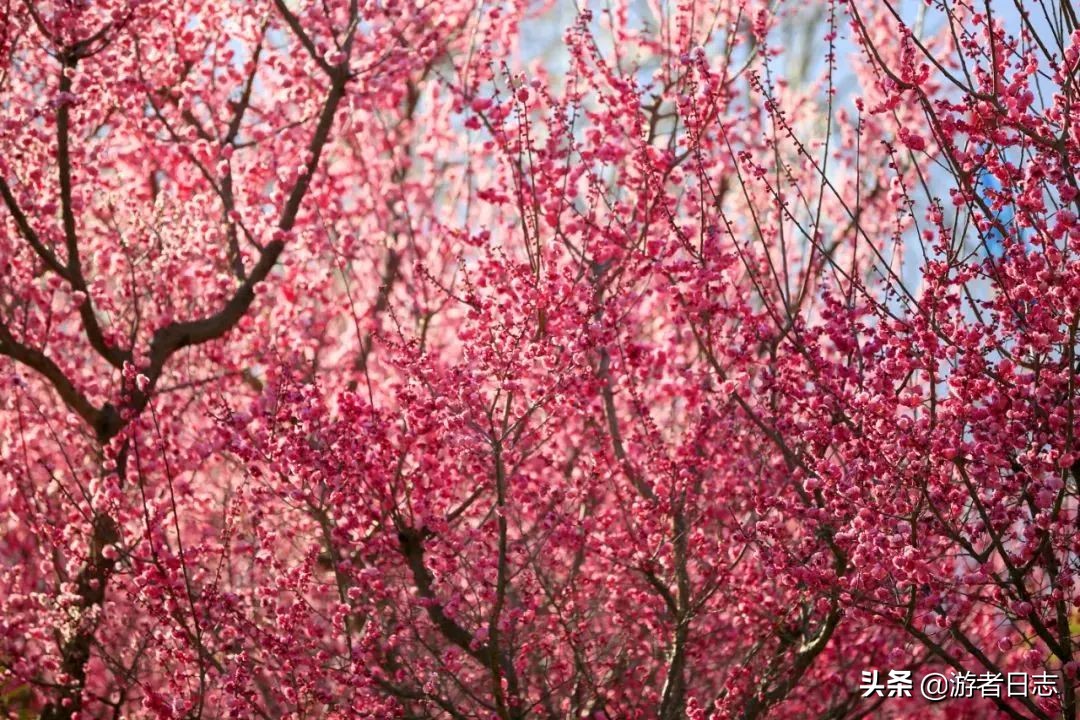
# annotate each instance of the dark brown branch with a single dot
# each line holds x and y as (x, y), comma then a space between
(74, 275)
(297, 29)
(28, 233)
(100, 420)
(178, 335)
(411, 543)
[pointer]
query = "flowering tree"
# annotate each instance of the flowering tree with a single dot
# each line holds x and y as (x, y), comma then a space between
(355, 365)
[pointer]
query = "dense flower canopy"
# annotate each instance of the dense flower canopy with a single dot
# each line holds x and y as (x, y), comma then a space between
(461, 359)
